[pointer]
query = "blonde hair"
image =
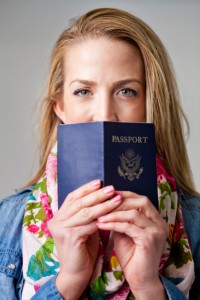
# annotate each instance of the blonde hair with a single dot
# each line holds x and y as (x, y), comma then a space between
(162, 99)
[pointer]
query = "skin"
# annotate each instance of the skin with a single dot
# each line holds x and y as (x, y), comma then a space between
(105, 81)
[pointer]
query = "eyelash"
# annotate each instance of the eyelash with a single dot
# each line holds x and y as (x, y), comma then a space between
(78, 91)
(132, 91)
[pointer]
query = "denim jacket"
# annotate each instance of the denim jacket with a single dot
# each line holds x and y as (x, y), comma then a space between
(11, 275)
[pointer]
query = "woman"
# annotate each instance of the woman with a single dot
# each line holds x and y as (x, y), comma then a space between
(108, 66)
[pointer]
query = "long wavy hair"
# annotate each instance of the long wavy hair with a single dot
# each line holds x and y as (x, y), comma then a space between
(163, 106)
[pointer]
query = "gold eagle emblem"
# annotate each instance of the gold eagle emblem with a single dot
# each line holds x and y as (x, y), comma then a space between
(130, 165)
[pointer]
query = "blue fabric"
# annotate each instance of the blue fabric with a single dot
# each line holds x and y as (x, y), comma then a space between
(11, 276)
(171, 291)
(191, 214)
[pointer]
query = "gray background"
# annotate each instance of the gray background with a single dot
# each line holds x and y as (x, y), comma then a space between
(28, 30)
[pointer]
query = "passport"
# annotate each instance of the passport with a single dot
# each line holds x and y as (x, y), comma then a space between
(120, 154)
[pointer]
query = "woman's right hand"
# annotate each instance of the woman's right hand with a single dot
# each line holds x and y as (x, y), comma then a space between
(75, 234)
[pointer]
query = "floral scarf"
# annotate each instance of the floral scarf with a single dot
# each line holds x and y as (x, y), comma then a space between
(108, 282)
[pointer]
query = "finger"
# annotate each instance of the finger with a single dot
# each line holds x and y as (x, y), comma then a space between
(58, 230)
(81, 192)
(128, 229)
(153, 234)
(82, 231)
(131, 216)
(88, 214)
(92, 199)
(141, 203)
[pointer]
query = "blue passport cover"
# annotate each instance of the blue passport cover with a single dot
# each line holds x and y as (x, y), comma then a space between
(121, 154)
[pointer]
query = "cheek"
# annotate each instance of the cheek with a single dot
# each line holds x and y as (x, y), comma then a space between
(76, 112)
(143, 113)
(133, 113)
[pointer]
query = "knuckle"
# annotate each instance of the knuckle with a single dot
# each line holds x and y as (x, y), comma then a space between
(114, 217)
(88, 200)
(133, 215)
(86, 213)
(78, 204)
(158, 234)
(69, 233)
(150, 239)
(146, 244)
(70, 197)
(126, 227)
(145, 200)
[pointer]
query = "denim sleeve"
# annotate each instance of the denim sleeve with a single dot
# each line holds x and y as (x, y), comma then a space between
(48, 291)
(191, 215)
(11, 216)
(10, 287)
(172, 292)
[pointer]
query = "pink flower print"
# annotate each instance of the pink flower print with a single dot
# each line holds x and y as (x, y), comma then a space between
(160, 179)
(51, 170)
(33, 228)
(49, 214)
(36, 287)
(51, 180)
(181, 222)
(44, 199)
(45, 229)
(45, 203)
(162, 170)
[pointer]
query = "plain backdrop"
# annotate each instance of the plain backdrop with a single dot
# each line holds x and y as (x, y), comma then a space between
(28, 31)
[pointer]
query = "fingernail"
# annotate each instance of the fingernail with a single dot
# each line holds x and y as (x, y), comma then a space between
(99, 224)
(116, 199)
(96, 183)
(118, 192)
(109, 189)
(101, 218)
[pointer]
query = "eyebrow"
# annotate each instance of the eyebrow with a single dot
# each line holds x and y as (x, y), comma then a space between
(115, 84)
(126, 81)
(86, 82)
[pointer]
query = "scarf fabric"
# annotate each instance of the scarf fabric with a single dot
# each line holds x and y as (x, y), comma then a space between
(40, 260)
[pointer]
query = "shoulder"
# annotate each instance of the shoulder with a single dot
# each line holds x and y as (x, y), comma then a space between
(11, 218)
(13, 205)
(17, 198)
(191, 214)
(190, 202)
(12, 212)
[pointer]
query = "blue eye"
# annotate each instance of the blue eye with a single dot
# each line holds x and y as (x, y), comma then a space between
(81, 92)
(128, 92)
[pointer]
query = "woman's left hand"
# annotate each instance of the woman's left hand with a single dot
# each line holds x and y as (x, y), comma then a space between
(139, 237)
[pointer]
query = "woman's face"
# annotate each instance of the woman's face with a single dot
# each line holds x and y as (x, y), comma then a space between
(104, 80)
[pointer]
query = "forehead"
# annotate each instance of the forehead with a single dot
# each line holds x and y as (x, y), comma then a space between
(103, 54)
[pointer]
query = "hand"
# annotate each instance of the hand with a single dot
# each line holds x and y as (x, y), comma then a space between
(75, 234)
(139, 237)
